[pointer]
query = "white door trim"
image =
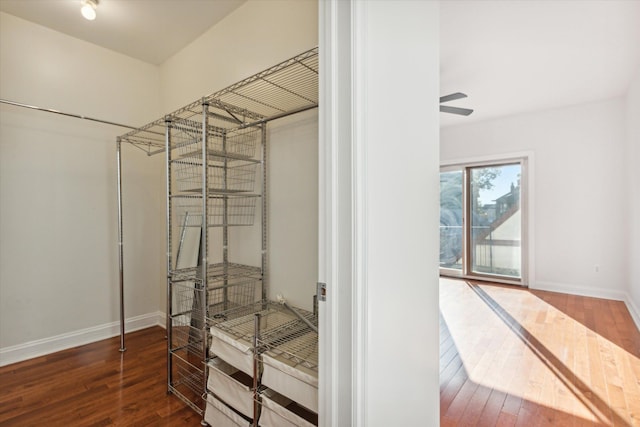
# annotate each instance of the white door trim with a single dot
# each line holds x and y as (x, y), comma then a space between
(335, 266)
(368, 305)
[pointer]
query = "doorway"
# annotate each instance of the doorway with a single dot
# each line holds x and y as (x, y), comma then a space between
(482, 221)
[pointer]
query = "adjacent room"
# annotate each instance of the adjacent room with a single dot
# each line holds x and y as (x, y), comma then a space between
(209, 212)
(539, 189)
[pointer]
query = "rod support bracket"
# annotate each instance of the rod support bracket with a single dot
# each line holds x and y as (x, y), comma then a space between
(321, 291)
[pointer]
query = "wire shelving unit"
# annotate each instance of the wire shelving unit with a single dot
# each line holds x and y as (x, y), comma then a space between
(216, 179)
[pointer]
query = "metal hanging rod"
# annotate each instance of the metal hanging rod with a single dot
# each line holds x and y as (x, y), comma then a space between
(119, 167)
(77, 116)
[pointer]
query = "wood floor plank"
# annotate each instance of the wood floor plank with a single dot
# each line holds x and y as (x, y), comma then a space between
(506, 420)
(95, 385)
(475, 407)
(536, 358)
(461, 401)
(509, 356)
(491, 410)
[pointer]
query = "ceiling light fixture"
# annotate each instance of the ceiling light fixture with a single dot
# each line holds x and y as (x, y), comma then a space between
(88, 9)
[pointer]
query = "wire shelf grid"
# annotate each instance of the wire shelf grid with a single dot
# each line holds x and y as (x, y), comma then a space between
(188, 379)
(185, 336)
(294, 342)
(187, 304)
(223, 293)
(298, 348)
(149, 135)
(241, 210)
(236, 178)
(277, 324)
(219, 271)
(287, 87)
(221, 143)
(231, 294)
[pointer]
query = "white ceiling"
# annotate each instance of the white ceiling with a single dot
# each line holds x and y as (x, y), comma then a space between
(518, 56)
(150, 30)
(509, 56)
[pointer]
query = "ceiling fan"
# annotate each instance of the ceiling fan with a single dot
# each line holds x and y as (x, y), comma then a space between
(454, 110)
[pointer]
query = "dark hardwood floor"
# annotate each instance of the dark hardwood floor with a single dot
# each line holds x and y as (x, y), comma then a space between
(508, 357)
(95, 385)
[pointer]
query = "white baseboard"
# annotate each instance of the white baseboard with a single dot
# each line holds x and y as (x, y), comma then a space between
(41, 347)
(633, 310)
(611, 294)
(29, 350)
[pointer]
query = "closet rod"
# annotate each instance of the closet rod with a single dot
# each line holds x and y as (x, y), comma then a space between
(119, 166)
(77, 116)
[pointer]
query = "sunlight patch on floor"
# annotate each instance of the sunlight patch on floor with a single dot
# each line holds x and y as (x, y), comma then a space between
(516, 356)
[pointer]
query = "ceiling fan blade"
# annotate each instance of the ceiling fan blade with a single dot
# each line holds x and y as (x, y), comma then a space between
(452, 97)
(455, 110)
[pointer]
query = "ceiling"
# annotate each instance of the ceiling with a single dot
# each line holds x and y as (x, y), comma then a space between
(149, 30)
(510, 57)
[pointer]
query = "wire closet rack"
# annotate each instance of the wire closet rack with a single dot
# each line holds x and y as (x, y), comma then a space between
(215, 149)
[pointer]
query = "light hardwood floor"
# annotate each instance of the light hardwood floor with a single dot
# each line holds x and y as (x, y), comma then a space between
(510, 356)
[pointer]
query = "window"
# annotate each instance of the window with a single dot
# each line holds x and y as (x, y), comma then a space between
(481, 221)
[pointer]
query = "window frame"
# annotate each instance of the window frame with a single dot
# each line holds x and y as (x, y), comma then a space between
(466, 271)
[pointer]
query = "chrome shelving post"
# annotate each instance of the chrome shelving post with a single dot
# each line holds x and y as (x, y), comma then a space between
(204, 243)
(264, 293)
(120, 247)
(256, 368)
(167, 149)
(225, 224)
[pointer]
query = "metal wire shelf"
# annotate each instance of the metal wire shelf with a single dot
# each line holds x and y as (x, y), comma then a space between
(241, 209)
(238, 288)
(188, 380)
(288, 86)
(231, 294)
(239, 322)
(221, 143)
(294, 342)
(186, 313)
(285, 88)
(186, 337)
(219, 271)
(299, 347)
(289, 361)
(276, 323)
(235, 178)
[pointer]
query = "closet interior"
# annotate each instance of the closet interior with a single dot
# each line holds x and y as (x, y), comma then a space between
(236, 354)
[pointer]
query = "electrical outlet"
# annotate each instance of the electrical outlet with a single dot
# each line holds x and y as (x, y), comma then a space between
(597, 268)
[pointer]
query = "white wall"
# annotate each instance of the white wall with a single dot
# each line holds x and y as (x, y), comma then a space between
(633, 136)
(255, 36)
(58, 223)
(395, 173)
(580, 190)
(293, 208)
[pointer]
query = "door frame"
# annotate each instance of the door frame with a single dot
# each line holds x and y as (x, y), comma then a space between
(362, 319)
